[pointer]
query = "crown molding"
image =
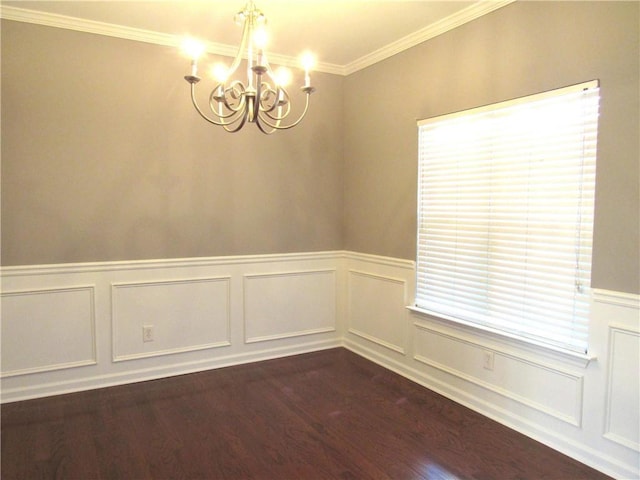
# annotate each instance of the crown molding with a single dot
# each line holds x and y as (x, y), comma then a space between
(88, 26)
(139, 35)
(466, 15)
(129, 33)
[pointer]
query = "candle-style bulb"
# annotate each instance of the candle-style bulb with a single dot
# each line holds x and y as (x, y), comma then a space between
(192, 48)
(308, 61)
(220, 72)
(282, 77)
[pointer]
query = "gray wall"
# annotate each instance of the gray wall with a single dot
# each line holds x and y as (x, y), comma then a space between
(103, 158)
(521, 49)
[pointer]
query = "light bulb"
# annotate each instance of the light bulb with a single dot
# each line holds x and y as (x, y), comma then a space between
(260, 37)
(220, 72)
(308, 61)
(192, 48)
(282, 77)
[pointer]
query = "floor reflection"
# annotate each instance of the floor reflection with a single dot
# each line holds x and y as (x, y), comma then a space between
(433, 471)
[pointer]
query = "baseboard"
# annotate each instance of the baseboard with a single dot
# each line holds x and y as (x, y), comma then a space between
(155, 373)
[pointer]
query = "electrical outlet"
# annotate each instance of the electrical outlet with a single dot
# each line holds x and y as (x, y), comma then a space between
(487, 360)
(147, 333)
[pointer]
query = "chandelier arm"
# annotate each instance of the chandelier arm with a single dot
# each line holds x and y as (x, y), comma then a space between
(261, 111)
(233, 111)
(197, 107)
(285, 127)
(240, 117)
(263, 129)
(242, 120)
(236, 122)
(279, 116)
(279, 93)
(238, 89)
(223, 124)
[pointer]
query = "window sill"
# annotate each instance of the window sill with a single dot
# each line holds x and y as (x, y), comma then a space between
(478, 333)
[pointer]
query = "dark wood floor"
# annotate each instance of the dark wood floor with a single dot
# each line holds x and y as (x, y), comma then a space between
(324, 415)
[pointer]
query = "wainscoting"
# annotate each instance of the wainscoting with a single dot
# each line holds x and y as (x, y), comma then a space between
(76, 327)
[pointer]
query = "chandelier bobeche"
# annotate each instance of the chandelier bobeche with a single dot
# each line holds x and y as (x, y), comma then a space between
(262, 99)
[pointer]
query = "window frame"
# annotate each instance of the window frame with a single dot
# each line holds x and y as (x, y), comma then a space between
(466, 324)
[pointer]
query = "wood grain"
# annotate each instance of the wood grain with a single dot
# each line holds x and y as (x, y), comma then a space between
(323, 415)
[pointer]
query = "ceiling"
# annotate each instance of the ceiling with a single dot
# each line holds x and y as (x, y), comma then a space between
(345, 35)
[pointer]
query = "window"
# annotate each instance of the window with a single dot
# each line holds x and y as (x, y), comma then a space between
(505, 216)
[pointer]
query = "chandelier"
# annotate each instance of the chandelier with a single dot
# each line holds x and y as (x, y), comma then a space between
(262, 99)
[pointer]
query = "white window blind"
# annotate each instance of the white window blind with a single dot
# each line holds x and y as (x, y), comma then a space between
(505, 220)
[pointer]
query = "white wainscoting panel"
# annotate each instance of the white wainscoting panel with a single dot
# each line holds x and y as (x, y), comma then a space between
(184, 315)
(623, 395)
(289, 304)
(47, 329)
(377, 309)
(514, 377)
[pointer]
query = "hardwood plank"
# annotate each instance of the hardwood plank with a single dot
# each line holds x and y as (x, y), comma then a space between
(323, 415)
